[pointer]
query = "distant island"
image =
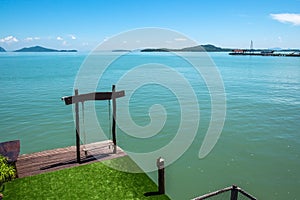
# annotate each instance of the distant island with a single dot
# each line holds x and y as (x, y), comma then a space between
(121, 50)
(42, 49)
(212, 48)
(2, 49)
(199, 48)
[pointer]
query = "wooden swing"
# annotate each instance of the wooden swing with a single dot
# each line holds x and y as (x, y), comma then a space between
(77, 98)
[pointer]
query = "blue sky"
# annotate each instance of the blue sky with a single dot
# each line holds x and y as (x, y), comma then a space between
(83, 25)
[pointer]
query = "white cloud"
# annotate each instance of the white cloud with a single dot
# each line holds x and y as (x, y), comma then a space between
(59, 38)
(28, 39)
(73, 37)
(287, 18)
(64, 43)
(180, 39)
(9, 39)
(105, 39)
(31, 38)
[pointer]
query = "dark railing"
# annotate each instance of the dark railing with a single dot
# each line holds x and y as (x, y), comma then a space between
(234, 194)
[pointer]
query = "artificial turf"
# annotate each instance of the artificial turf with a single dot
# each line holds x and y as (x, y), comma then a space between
(92, 181)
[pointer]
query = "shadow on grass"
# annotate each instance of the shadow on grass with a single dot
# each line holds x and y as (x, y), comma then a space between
(2, 187)
(148, 194)
(87, 159)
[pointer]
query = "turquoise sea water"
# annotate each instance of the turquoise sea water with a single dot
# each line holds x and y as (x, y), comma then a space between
(259, 146)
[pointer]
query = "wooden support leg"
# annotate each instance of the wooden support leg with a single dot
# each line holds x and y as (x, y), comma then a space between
(77, 129)
(114, 138)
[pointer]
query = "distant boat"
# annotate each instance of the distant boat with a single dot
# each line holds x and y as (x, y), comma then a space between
(238, 52)
(267, 52)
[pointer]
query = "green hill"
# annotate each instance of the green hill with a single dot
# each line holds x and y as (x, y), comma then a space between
(199, 48)
(2, 49)
(207, 47)
(41, 49)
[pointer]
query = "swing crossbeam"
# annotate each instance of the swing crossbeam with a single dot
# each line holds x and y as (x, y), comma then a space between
(93, 96)
(77, 98)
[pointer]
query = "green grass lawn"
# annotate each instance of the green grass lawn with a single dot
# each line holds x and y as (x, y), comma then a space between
(92, 181)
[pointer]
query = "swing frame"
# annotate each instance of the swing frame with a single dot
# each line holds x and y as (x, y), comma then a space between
(77, 98)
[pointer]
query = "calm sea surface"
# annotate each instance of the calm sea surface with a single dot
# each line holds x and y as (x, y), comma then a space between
(258, 149)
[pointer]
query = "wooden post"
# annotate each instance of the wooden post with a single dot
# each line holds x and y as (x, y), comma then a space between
(161, 175)
(113, 130)
(234, 193)
(77, 129)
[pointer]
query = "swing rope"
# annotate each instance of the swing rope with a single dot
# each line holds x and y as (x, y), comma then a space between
(84, 142)
(109, 121)
(83, 128)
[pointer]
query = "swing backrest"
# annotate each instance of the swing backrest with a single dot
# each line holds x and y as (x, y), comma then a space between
(11, 150)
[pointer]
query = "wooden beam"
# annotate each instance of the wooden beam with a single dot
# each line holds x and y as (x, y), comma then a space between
(93, 96)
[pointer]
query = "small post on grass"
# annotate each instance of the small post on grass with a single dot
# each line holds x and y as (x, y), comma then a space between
(161, 175)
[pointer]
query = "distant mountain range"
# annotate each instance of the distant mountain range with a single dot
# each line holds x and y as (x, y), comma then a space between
(209, 48)
(38, 49)
(42, 49)
(199, 48)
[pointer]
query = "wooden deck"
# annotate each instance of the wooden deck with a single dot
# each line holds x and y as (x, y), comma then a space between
(56, 159)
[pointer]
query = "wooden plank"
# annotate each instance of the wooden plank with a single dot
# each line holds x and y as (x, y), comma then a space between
(56, 159)
(117, 94)
(93, 96)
